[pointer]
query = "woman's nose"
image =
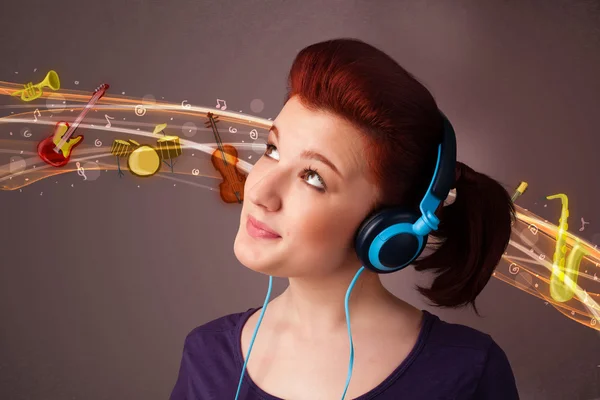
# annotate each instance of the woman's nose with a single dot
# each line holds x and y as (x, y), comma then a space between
(266, 192)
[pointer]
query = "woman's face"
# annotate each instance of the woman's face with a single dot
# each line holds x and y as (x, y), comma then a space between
(311, 189)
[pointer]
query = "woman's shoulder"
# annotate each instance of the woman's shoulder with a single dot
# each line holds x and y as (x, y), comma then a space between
(464, 345)
(219, 328)
(460, 360)
(211, 361)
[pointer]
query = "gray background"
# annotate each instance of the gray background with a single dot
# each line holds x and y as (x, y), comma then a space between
(106, 317)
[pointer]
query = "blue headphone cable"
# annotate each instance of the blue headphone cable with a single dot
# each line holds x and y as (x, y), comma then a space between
(347, 310)
(262, 314)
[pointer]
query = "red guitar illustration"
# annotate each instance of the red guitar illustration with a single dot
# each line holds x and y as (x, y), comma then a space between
(56, 149)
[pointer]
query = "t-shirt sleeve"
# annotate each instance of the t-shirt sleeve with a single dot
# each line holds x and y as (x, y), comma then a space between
(497, 381)
(180, 389)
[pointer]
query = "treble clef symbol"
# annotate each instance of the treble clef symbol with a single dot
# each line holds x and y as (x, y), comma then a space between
(80, 170)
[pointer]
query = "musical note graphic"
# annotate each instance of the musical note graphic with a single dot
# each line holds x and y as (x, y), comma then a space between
(513, 269)
(253, 134)
(533, 229)
(221, 106)
(81, 171)
(185, 105)
(108, 118)
(38, 113)
(583, 223)
(140, 110)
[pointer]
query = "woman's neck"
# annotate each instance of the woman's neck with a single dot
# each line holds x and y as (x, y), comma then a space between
(315, 306)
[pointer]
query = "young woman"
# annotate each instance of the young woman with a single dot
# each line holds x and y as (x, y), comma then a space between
(358, 134)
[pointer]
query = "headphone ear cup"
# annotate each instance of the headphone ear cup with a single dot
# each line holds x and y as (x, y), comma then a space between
(399, 250)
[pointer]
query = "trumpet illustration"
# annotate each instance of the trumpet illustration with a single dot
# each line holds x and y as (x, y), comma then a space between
(32, 92)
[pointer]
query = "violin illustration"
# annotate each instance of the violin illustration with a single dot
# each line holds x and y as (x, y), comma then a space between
(56, 149)
(225, 159)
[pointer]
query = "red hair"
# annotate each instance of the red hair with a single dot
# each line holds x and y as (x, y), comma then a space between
(402, 128)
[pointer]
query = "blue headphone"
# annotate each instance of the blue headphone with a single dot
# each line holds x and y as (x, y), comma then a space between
(392, 238)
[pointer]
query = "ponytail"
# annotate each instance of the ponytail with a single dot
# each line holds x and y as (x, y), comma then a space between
(473, 234)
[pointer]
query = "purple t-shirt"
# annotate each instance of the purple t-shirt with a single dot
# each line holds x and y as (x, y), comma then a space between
(449, 361)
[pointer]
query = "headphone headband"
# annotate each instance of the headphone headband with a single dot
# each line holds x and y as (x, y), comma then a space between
(443, 178)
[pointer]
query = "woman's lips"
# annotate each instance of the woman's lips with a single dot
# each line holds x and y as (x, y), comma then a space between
(257, 229)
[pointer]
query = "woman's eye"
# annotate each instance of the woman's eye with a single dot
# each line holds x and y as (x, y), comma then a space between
(271, 151)
(313, 178)
(309, 175)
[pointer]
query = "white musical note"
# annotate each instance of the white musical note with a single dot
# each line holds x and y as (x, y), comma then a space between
(185, 105)
(108, 125)
(196, 172)
(80, 170)
(38, 113)
(533, 229)
(253, 134)
(223, 106)
(97, 143)
(232, 129)
(582, 225)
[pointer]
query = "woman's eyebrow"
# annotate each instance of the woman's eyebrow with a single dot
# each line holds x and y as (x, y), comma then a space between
(320, 157)
(311, 154)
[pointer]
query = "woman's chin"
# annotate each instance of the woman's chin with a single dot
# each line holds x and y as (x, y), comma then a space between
(253, 257)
